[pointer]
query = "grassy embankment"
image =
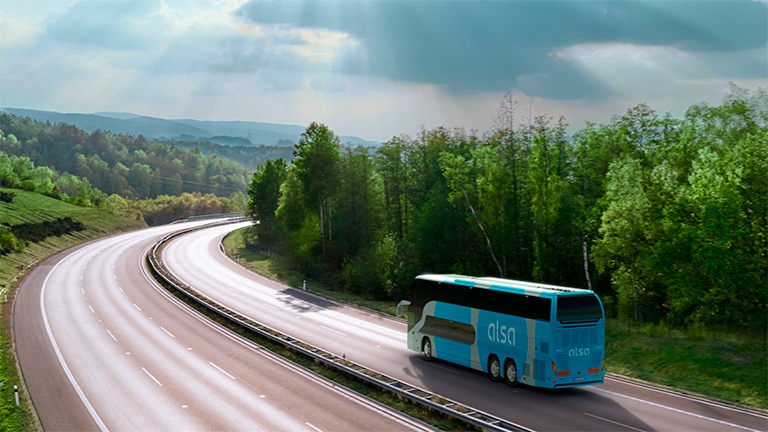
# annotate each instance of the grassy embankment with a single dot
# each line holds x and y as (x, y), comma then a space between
(727, 367)
(31, 208)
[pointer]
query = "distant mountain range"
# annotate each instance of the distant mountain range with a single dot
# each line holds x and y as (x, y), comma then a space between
(220, 132)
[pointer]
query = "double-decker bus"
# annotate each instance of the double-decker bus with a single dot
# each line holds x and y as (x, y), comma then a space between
(519, 332)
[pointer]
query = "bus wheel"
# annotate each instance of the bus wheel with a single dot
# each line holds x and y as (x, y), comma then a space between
(426, 349)
(510, 373)
(494, 368)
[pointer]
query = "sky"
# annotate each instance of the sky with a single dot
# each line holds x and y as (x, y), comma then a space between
(378, 68)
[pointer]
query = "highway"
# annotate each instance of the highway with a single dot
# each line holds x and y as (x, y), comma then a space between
(379, 343)
(102, 347)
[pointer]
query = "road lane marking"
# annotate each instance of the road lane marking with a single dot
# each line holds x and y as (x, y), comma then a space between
(60, 356)
(113, 336)
(134, 305)
(89, 307)
(169, 333)
(313, 426)
(677, 410)
(153, 378)
(335, 331)
(221, 370)
(614, 422)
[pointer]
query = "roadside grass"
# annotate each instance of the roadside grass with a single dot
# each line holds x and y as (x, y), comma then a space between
(29, 208)
(728, 367)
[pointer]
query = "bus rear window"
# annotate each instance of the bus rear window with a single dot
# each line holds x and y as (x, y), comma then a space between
(578, 308)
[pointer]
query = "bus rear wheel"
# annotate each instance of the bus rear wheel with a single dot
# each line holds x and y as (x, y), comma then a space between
(426, 349)
(510, 373)
(494, 368)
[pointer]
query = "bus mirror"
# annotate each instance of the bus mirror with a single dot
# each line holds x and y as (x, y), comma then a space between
(400, 307)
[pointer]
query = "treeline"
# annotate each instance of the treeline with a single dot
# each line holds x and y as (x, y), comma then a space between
(665, 218)
(21, 173)
(130, 166)
(250, 157)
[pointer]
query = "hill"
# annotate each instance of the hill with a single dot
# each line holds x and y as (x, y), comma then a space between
(255, 133)
(35, 210)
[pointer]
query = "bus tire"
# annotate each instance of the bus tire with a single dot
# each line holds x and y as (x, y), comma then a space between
(426, 349)
(494, 368)
(510, 373)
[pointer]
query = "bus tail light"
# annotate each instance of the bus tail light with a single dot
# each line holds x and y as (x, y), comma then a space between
(561, 373)
(594, 370)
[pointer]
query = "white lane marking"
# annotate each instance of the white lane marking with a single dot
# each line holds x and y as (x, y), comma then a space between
(169, 333)
(614, 422)
(273, 307)
(113, 336)
(153, 378)
(335, 331)
(121, 289)
(60, 356)
(134, 305)
(313, 426)
(221, 370)
(89, 307)
(676, 410)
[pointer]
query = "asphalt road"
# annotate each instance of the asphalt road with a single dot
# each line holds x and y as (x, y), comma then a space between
(379, 343)
(102, 347)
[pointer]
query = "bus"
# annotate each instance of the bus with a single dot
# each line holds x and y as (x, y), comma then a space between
(520, 332)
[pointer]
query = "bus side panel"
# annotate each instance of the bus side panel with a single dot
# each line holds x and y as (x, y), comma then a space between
(503, 335)
(456, 352)
(539, 366)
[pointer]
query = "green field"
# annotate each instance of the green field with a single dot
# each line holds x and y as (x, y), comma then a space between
(32, 208)
(728, 367)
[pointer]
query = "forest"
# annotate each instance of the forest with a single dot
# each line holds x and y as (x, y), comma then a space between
(151, 181)
(664, 217)
(130, 166)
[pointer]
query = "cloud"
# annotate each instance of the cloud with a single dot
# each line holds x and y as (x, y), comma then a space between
(494, 46)
(115, 24)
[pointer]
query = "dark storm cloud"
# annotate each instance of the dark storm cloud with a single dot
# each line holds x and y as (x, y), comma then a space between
(482, 45)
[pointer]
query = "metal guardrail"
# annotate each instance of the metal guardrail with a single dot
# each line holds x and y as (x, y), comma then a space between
(424, 397)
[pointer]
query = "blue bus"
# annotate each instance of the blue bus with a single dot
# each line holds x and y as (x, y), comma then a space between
(520, 332)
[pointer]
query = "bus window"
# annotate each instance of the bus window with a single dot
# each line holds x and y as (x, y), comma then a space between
(578, 308)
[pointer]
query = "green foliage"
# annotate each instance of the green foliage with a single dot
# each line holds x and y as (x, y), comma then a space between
(316, 167)
(132, 167)
(666, 219)
(264, 193)
(166, 208)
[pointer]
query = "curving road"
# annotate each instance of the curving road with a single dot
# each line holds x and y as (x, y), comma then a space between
(102, 347)
(379, 343)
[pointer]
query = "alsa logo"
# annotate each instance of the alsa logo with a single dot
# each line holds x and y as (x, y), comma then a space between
(501, 333)
(578, 352)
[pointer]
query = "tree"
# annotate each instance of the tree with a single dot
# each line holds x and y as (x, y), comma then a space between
(548, 174)
(316, 160)
(264, 194)
(626, 230)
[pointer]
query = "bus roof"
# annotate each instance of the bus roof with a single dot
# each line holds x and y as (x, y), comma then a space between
(506, 285)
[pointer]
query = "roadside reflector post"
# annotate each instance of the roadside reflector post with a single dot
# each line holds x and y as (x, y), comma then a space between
(16, 394)
(304, 286)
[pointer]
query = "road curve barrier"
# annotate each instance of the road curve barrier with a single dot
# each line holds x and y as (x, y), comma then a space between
(418, 395)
